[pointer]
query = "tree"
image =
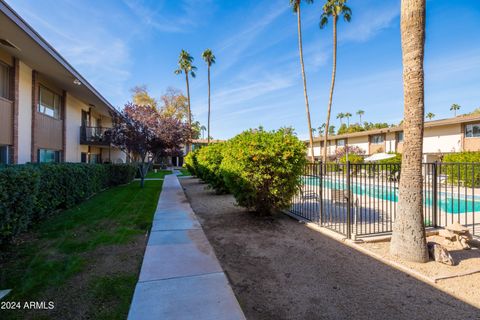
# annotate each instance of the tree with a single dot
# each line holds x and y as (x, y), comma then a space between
(203, 129)
(340, 116)
(141, 131)
(314, 131)
(186, 67)
(175, 104)
(331, 130)
(408, 237)
(360, 113)
(209, 58)
(348, 115)
(455, 107)
(333, 8)
(430, 116)
(141, 97)
(296, 8)
(321, 129)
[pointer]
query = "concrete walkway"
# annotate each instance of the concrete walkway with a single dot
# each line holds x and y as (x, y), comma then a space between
(181, 277)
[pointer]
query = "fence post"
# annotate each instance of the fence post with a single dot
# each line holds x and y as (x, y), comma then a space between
(349, 223)
(320, 183)
(435, 195)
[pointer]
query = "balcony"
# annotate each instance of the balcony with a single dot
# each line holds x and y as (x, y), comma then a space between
(96, 136)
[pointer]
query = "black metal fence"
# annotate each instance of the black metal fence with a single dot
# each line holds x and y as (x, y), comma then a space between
(361, 199)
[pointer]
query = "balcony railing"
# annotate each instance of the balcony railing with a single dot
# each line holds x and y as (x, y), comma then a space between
(95, 135)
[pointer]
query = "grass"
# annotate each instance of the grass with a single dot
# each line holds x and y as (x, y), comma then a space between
(159, 174)
(103, 228)
(184, 172)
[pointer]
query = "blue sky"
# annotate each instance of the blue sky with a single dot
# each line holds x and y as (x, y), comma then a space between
(119, 44)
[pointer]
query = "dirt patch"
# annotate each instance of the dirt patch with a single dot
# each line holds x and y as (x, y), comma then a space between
(464, 287)
(279, 269)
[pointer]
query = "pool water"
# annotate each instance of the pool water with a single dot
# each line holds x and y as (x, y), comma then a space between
(446, 202)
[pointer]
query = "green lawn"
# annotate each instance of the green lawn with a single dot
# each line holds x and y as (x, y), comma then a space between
(85, 259)
(160, 174)
(184, 172)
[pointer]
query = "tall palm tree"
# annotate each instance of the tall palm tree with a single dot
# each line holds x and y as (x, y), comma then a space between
(203, 129)
(348, 115)
(314, 131)
(185, 66)
(408, 237)
(430, 115)
(340, 116)
(333, 9)
(360, 113)
(454, 108)
(296, 8)
(209, 58)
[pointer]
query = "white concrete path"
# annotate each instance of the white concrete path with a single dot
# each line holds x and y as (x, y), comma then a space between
(181, 277)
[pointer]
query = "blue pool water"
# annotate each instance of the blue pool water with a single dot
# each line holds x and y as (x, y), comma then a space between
(450, 203)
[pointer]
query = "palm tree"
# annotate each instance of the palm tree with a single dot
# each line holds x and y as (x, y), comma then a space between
(202, 128)
(296, 8)
(340, 116)
(314, 131)
(209, 58)
(333, 8)
(360, 113)
(454, 108)
(430, 115)
(348, 115)
(185, 66)
(408, 236)
(321, 129)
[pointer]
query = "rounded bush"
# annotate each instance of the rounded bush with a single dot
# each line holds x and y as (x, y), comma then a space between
(191, 162)
(262, 169)
(209, 159)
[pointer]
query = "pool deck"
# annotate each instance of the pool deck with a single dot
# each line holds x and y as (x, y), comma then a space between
(181, 277)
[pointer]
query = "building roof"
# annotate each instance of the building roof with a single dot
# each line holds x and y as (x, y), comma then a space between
(205, 141)
(35, 51)
(428, 124)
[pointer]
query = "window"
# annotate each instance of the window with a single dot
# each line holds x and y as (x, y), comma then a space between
(4, 155)
(377, 139)
(49, 103)
(341, 143)
(400, 136)
(95, 158)
(472, 130)
(4, 81)
(47, 156)
(83, 157)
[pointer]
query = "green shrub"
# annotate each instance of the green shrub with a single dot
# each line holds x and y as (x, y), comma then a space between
(209, 159)
(191, 162)
(353, 158)
(467, 173)
(30, 193)
(262, 169)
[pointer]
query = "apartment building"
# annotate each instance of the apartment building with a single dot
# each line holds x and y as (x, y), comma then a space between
(461, 133)
(48, 111)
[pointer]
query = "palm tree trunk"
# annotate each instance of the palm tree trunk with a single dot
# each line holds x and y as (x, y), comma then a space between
(325, 139)
(408, 237)
(304, 77)
(208, 130)
(189, 113)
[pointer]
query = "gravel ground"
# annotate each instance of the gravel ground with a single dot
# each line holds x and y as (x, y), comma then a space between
(279, 269)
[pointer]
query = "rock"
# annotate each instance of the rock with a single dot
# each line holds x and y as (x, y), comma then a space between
(456, 228)
(439, 253)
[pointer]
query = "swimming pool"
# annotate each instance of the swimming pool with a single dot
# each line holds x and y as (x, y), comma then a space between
(447, 202)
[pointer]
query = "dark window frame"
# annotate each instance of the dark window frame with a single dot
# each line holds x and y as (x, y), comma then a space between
(473, 133)
(58, 116)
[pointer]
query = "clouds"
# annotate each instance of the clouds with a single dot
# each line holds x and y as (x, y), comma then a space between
(167, 16)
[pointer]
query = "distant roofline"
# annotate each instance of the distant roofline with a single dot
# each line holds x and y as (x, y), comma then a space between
(206, 141)
(22, 24)
(428, 124)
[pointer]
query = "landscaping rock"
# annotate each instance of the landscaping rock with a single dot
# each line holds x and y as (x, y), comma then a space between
(439, 253)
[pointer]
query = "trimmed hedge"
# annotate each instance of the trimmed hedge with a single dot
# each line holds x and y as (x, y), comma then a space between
(467, 171)
(208, 160)
(191, 163)
(262, 169)
(29, 193)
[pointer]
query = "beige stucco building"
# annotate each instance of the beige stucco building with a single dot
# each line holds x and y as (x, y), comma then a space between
(48, 111)
(461, 133)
